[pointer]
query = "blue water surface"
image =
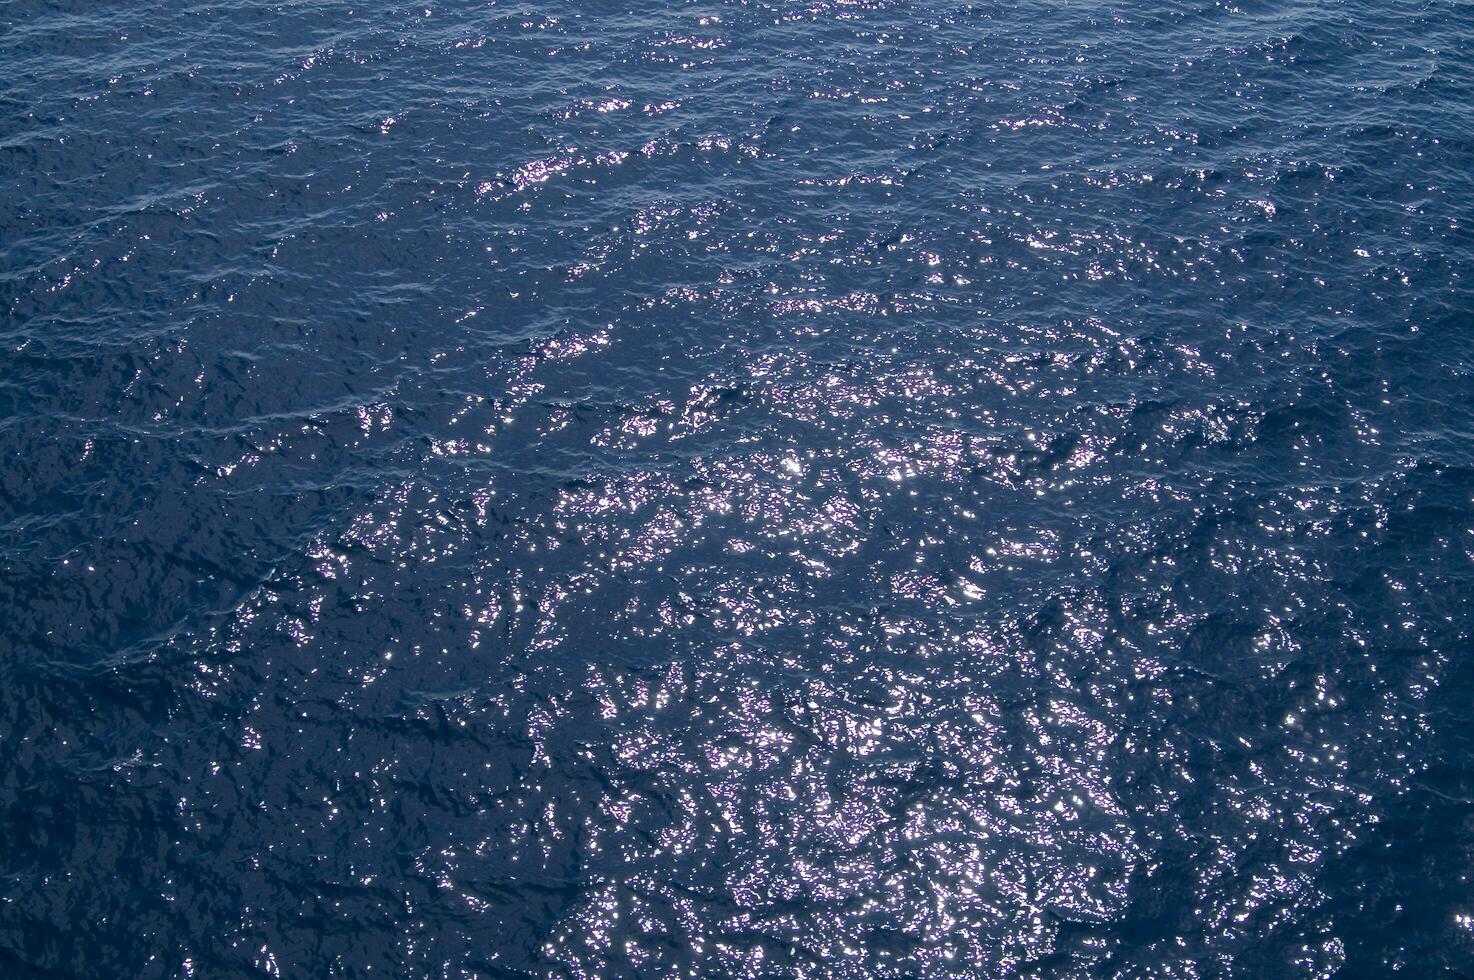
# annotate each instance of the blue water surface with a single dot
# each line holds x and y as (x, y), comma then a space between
(856, 488)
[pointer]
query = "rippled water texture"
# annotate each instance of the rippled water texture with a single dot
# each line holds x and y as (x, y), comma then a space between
(851, 489)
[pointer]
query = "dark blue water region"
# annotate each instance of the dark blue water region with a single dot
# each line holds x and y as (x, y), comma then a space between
(851, 489)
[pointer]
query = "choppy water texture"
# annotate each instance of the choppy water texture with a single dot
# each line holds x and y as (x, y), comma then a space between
(850, 489)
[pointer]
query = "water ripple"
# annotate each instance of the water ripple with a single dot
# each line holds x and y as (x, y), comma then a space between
(857, 488)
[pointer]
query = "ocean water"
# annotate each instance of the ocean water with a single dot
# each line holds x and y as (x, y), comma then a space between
(856, 488)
